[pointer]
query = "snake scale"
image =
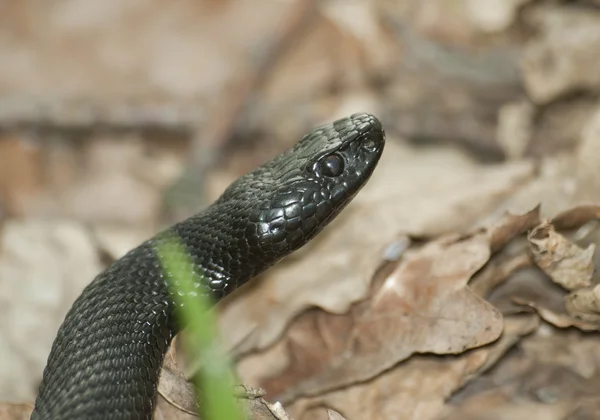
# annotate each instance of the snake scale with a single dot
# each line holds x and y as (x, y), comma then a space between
(106, 359)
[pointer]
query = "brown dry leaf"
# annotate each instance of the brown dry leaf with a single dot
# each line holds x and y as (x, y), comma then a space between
(527, 286)
(555, 186)
(584, 304)
(558, 128)
(507, 250)
(532, 290)
(561, 59)
(44, 266)
(115, 240)
(576, 217)
(446, 192)
(20, 172)
(564, 261)
(254, 409)
(109, 189)
(493, 15)
(334, 415)
(588, 153)
(498, 270)
(167, 411)
(176, 393)
(423, 306)
(515, 127)
(570, 266)
(512, 225)
(461, 22)
(497, 405)
(361, 21)
(527, 289)
(552, 375)
(557, 318)
(177, 396)
(417, 388)
(147, 59)
(572, 349)
(515, 328)
(566, 182)
(10, 411)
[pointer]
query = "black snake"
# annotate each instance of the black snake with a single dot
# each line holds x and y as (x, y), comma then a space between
(107, 357)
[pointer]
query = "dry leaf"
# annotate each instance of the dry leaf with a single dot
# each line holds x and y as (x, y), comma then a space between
(21, 176)
(10, 411)
(60, 253)
(526, 286)
(175, 390)
(417, 388)
(334, 415)
(565, 262)
(560, 60)
(576, 217)
(508, 255)
(552, 375)
(558, 318)
(497, 271)
(423, 306)
(584, 304)
(510, 225)
(497, 405)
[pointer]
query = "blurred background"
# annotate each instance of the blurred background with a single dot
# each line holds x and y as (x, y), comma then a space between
(119, 118)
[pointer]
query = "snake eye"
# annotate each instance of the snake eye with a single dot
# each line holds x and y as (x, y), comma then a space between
(332, 165)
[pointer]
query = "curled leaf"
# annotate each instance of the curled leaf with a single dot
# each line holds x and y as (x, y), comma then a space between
(584, 304)
(564, 261)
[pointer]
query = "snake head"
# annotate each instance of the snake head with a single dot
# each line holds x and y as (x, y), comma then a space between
(311, 183)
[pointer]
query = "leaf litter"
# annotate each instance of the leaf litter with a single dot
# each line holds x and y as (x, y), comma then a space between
(457, 323)
(345, 324)
(416, 345)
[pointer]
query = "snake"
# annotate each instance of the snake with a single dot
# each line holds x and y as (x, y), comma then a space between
(106, 359)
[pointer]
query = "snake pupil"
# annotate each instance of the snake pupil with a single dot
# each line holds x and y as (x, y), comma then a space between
(332, 165)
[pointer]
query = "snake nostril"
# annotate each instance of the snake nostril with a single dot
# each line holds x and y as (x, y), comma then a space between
(369, 145)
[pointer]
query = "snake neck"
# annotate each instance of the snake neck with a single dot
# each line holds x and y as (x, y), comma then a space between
(114, 338)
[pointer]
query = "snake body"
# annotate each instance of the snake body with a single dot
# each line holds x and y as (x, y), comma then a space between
(107, 356)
